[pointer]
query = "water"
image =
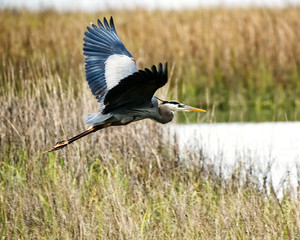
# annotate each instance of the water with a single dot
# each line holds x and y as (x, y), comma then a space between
(101, 5)
(259, 144)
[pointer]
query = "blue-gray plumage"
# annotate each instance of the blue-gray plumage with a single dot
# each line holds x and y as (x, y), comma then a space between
(100, 43)
(125, 94)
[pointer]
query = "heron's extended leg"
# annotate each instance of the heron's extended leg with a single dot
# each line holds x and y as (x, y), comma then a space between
(64, 143)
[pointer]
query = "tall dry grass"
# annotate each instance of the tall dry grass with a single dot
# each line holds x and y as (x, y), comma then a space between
(129, 182)
(244, 63)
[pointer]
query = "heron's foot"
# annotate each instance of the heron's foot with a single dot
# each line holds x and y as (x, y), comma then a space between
(59, 145)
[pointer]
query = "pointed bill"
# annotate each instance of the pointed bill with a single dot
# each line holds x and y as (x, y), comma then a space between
(193, 109)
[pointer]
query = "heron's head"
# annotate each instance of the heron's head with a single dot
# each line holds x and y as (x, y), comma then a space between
(177, 106)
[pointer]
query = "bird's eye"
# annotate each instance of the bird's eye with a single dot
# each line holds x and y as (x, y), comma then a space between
(180, 106)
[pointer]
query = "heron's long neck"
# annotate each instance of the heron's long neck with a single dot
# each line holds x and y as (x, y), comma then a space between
(165, 114)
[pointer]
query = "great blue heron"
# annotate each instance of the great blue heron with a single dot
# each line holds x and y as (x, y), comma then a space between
(125, 94)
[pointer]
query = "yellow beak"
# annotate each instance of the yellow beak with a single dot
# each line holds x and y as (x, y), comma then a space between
(188, 108)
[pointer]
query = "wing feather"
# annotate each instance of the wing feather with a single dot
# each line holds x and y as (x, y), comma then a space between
(100, 43)
(136, 89)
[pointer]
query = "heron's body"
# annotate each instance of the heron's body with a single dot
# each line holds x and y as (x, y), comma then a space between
(125, 94)
(130, 113)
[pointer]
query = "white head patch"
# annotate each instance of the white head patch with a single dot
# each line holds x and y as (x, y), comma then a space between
(173, 107)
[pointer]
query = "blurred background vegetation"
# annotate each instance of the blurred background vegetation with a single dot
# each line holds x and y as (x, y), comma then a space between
(239, 64)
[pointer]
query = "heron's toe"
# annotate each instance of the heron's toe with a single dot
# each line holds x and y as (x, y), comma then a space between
(59, 145)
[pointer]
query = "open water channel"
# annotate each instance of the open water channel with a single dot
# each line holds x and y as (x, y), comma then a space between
(262, 145)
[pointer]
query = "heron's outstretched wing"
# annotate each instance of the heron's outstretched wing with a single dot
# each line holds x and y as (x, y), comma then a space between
(107, 60)
(136, 89)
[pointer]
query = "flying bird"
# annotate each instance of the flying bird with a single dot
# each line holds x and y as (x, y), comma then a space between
(125, 94)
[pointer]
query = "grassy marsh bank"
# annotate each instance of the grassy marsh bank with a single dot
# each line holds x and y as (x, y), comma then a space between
(241, 64)
(126, 182)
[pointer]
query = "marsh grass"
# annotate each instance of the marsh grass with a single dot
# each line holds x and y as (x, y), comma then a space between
(130, 182)
(244, 63)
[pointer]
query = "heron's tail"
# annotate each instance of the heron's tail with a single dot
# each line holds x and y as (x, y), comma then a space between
(64, 143)
(96, 118)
